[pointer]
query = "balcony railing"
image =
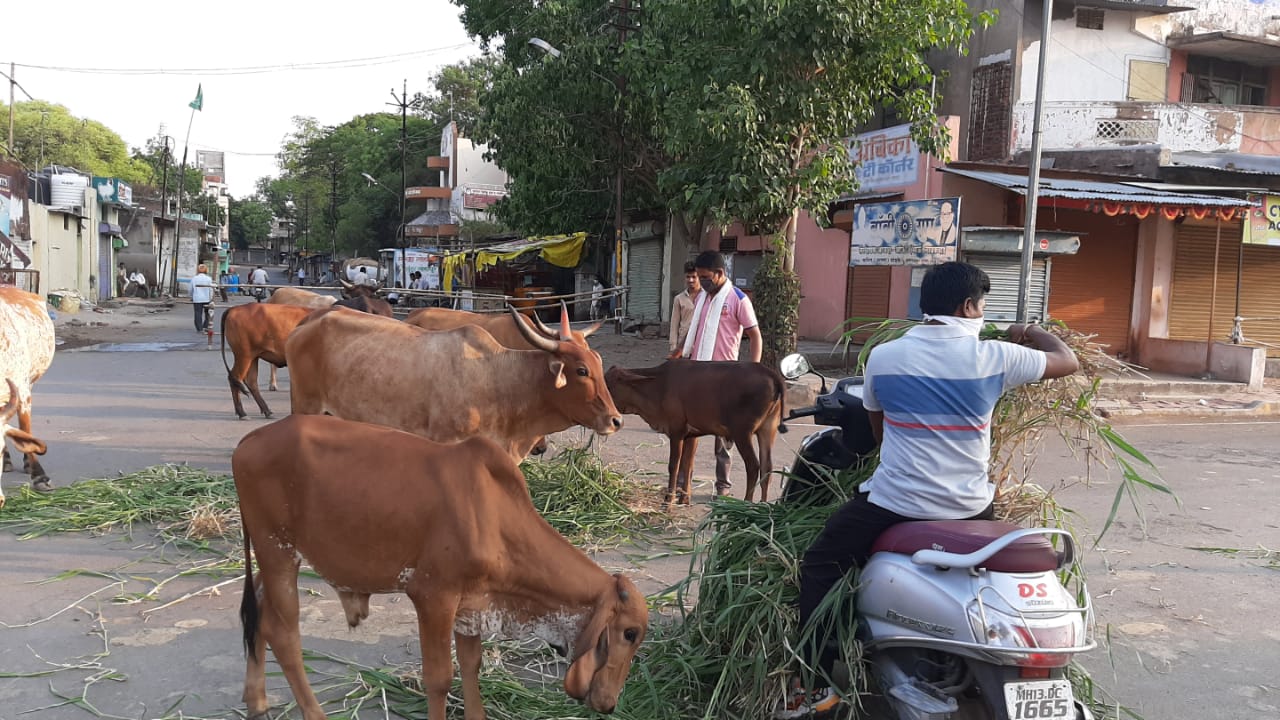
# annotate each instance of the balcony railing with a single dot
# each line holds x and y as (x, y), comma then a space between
(1178, 127)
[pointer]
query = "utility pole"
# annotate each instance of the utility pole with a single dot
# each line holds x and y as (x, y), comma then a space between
(12, 82)
(1033, 173)
(623, 25)
(333, 208)
(401, 241)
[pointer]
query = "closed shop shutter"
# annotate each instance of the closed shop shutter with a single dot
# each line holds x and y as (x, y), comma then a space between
(1190, 295)
(866, 295)
(1005, 271)
(1092, 291)
(644, 280)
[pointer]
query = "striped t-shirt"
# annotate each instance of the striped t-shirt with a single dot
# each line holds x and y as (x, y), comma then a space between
(937, 386)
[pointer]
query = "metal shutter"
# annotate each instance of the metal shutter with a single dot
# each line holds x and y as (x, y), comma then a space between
(1004, 271)
(644, 279)
(1193, 282)
(1092, 291)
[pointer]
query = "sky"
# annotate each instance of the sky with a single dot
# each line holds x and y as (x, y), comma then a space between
(135, 66)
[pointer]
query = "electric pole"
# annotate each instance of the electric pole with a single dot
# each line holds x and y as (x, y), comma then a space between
(623, 25)
(333, 209)
(401, 241)
(12, 82)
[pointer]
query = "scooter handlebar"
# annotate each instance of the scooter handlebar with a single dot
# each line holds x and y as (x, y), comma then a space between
(802, 412)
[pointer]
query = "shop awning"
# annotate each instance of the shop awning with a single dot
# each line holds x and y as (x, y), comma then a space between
(561, 250)
(1249, 49)
(1115, 198)
(1234, 162)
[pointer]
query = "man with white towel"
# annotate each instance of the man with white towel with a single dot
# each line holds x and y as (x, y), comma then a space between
(722, 315)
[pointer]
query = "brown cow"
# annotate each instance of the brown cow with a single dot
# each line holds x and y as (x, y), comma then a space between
(448, 385)
(686, 399)
(26, 351)
(451, 526)
(21, 439)
(256, 332)
(502, 327)
(304, 298)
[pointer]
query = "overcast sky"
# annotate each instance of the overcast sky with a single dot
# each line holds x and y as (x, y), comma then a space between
(346, 59)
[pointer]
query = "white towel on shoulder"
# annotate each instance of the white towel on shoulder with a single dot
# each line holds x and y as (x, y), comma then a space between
(710, 325)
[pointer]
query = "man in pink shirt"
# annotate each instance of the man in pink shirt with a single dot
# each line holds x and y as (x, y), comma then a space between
(726, 311)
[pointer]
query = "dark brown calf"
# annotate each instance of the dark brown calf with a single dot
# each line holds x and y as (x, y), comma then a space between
(686, 399)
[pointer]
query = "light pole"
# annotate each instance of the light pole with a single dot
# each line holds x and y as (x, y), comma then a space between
(551, 50)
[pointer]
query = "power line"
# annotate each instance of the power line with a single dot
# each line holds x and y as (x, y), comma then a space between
(254, 69)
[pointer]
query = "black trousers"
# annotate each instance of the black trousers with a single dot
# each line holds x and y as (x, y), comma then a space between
(845, 543)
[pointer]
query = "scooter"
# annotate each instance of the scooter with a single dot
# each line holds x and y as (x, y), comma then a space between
(957, 619)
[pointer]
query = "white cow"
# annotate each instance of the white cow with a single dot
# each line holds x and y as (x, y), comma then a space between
(26, 350)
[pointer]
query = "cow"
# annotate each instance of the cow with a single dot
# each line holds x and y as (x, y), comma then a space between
(366, 302)
(22, 440)
(26, 351)
(256, 332)
(451, 526)
(686, 399)
(504, 328)
(298, 296)
(448, 385)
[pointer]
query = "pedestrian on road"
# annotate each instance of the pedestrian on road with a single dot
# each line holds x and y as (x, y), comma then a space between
(201, 295)
(721, 315)
(929, 396)
(302, 275)
(682, 311)
(122, 280)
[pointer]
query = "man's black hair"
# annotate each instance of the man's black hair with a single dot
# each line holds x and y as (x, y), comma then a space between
(689, 267)
(947, 286)
(709, 260)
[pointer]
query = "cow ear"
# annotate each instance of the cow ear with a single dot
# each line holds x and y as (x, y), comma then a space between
(557, 369)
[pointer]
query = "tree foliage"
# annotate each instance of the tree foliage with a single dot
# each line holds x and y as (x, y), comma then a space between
(731, 109)
(46, 133)
(250, 222)
(456, 93)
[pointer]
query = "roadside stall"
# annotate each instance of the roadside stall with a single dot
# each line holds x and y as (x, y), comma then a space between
(527, 270)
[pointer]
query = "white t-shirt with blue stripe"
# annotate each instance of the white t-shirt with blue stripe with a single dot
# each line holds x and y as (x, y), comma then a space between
(937, 386)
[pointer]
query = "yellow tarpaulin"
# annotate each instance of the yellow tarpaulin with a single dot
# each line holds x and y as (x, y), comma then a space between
(560, 250)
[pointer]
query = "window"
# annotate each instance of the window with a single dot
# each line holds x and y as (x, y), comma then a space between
(729, 243)
(1089, 18)
(1223, 82)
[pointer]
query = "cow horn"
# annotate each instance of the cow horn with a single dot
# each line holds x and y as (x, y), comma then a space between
(540, 342)
(591, 330)
(346, 285)
(566, 331)
(11, 406)
(542, 327)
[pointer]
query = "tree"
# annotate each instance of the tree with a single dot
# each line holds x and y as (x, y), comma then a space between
(741, 109)
(457, 92)
(48, 133)
(250, 221)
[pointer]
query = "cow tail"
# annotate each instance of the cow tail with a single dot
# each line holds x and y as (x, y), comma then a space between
(249, 602)
(222, 330)
(782, 407)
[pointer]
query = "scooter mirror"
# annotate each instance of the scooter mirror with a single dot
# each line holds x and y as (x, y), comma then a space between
(794, 365)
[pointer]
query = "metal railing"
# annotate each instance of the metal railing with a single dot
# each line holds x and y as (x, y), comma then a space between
(1239, 338)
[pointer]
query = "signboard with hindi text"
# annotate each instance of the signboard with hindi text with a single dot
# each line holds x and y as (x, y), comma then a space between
(1263, 224)
(885, 158)
(911, 232)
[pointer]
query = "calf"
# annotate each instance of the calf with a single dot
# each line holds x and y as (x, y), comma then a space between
(256, 332)
(451, 526)
(686, 399)
(26, 351)
(21, 439)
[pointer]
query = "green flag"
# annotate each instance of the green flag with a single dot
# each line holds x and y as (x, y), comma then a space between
(198, 103)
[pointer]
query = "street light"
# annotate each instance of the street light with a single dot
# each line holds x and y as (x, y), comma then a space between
(554, 52)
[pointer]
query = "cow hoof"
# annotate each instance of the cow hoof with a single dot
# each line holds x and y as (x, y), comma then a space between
(42, 485)
(668, 499)
(242, 417)
(266, 415)
(8, 463)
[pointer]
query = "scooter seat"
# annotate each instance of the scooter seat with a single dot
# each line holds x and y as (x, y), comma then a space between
(1026, 555)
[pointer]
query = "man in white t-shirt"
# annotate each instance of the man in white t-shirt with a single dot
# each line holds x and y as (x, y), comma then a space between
(930, 395)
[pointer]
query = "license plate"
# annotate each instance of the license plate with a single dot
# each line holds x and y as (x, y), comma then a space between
(1040, 700)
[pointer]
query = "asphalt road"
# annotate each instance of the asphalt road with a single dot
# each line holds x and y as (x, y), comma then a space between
(1191, 632)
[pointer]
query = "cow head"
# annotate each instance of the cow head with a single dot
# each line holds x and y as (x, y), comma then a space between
(352, 290)
(581, 393)
(603, 652)
(628, 389)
